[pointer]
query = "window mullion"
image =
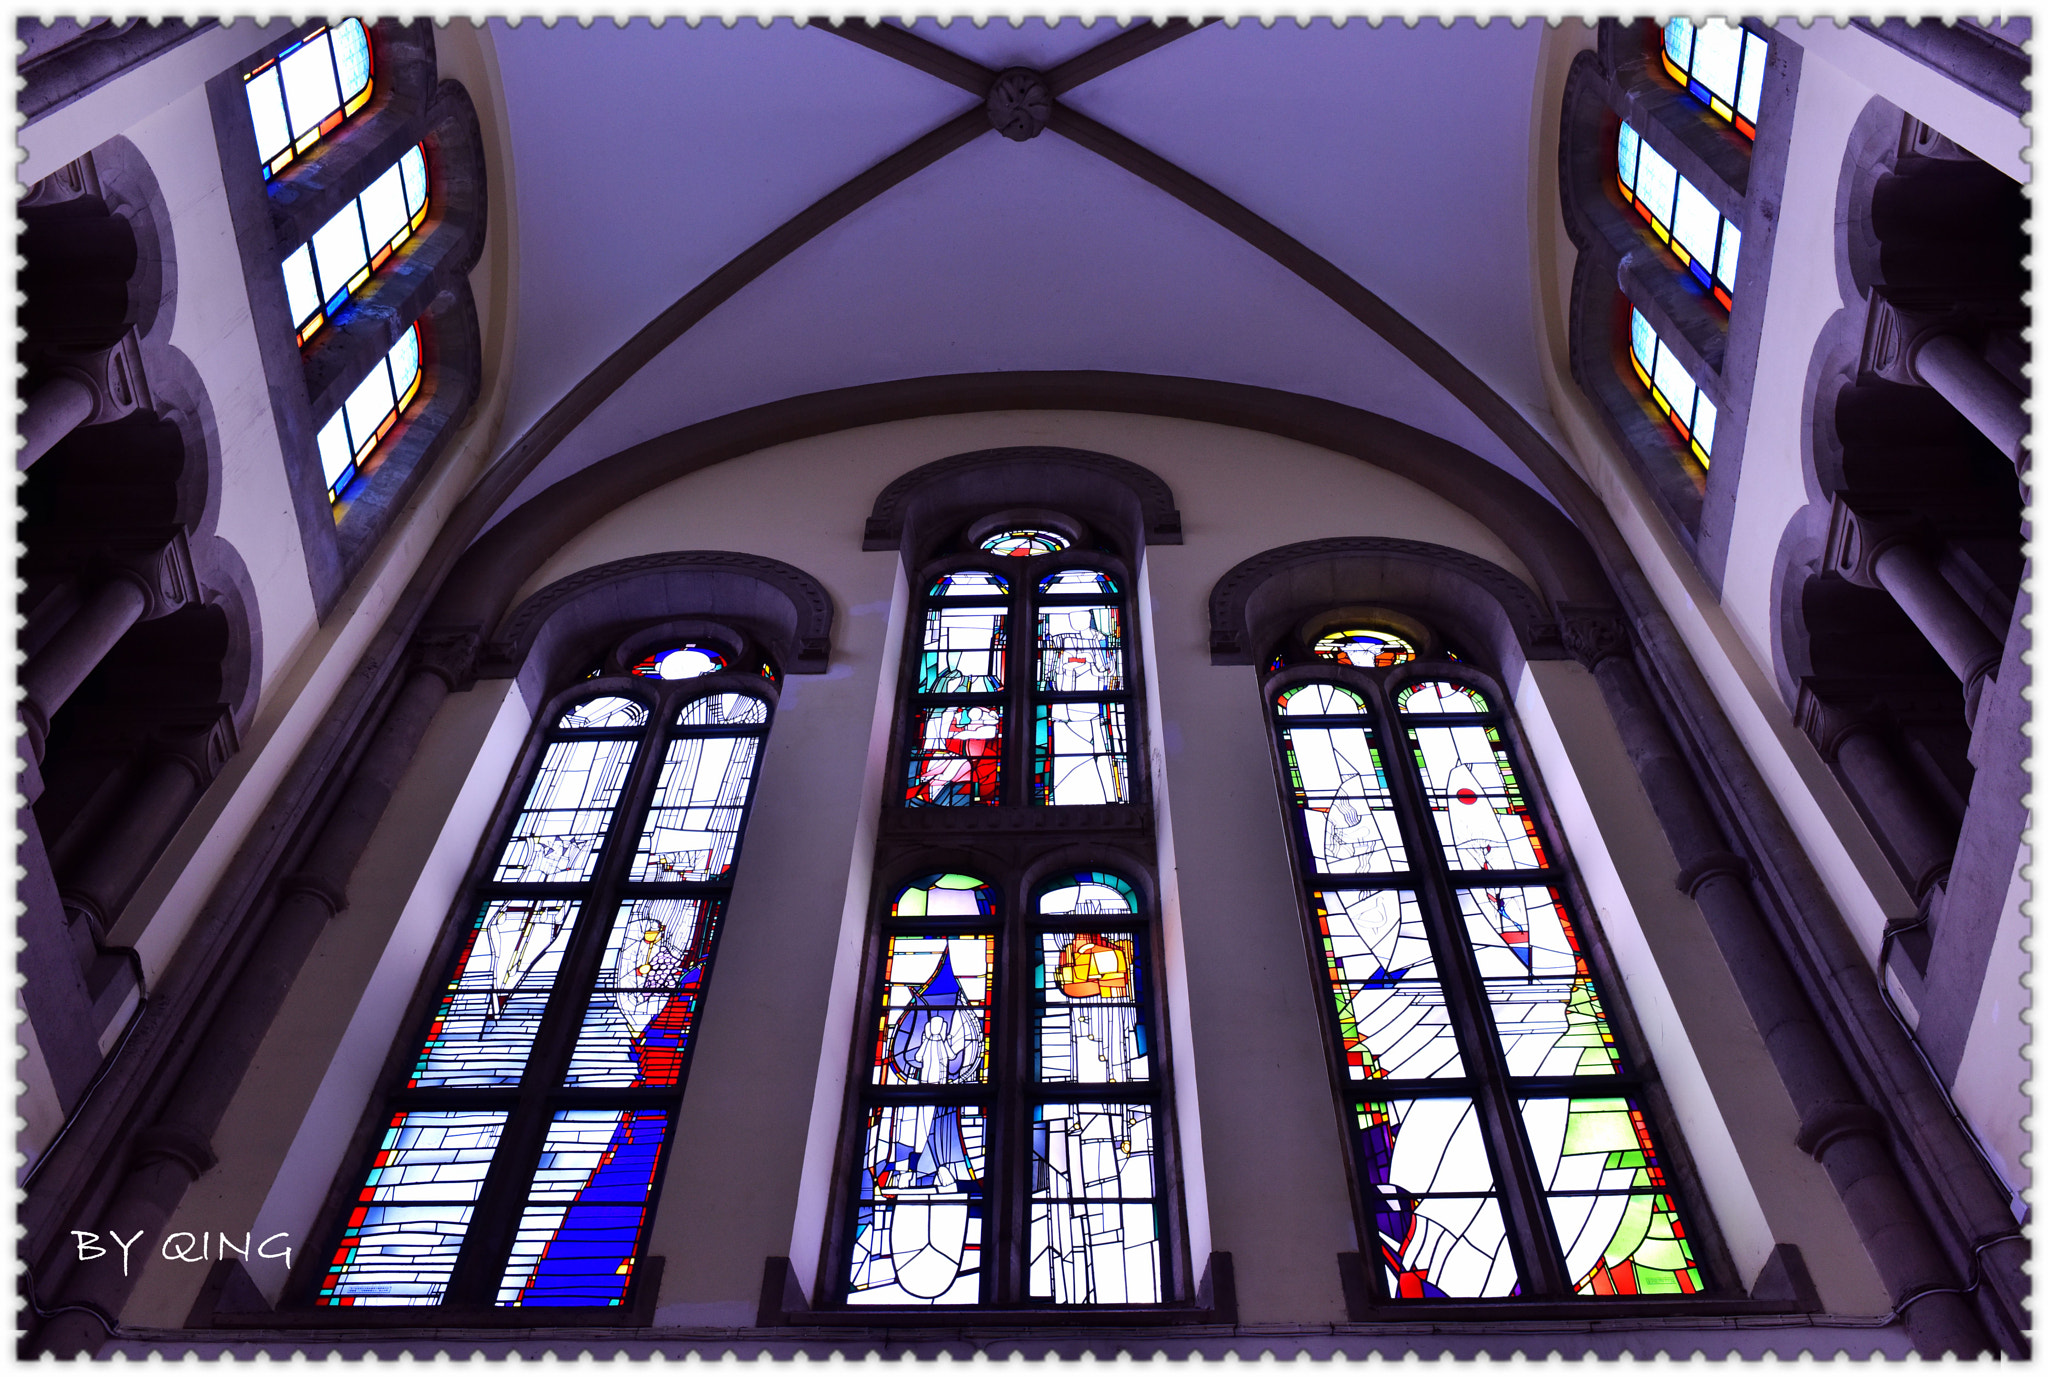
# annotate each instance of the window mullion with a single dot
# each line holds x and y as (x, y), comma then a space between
(502, 1201)
(1020, 712)
(1521, 1195)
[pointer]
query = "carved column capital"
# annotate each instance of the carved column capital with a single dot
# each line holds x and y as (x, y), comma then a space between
(450, 654)
(1829, 1122)
(161, 566)
(1019, 104)
(113, 375)
(1593, 634)
(202, 742)
(1859, 533)
(1830, 716)
(1710, 866)
(318, 887)
(172, 1143)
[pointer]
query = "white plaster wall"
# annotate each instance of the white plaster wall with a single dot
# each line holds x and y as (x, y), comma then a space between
(754, 1158)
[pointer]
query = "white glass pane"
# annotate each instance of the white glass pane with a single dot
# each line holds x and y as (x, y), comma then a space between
(352, 56)
(1625, 154)
(405, 359)
(1643, 340)
(1731, 249)
(413, 167)
(1697, 224)
(368, 405)
(1746, 100)
(384, 213)
(1656, 182)
(1704, 418)
(309, 90)
(1714, 56)
(338, 251)
(1678, 41)
(300, 292)
(266, 112)
(335, 454)
(1675, 383)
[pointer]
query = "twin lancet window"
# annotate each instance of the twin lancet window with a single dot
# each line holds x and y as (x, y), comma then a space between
(520, 1155)
(1501, 1139)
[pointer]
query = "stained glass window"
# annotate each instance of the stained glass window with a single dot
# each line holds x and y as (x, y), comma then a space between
(1364, 647)
(1706, 242)
(1683, 402)
(1065, 679)
(1721, 64)
(680, 662)
(346, 441)
(360, 238)
(304, 93)
(960, 1135)
(1469, 1030)
(518, 1169)
(1024, 542)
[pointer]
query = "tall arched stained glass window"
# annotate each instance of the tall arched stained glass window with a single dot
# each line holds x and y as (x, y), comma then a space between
(975, 681)
(1705, 241)
(1504, 1136)
(519, 1155)
(345, 443)
(1009, 1107)
(1670, 384)
(322, 273)
(1721, 65)
(304, 93)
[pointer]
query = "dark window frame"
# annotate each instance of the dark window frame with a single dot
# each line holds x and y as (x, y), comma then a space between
(1435, 884)
(470, 1297)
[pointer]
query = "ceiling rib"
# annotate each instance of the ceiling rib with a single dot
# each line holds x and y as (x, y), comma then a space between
(917, 51)
(1134, 42)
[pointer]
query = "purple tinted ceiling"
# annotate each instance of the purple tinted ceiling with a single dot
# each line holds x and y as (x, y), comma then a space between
(1401, 155)
(644, 158)
(1011, 256)
(999, 44)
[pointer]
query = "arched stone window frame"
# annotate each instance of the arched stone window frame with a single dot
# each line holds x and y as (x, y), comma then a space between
(1621, 265)
(425, 282)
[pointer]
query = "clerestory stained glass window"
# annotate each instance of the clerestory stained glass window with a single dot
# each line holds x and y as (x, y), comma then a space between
(1009, 1114)
(325, 271)
(1002, 718)
(304, 93)
(1684, 402)
(368, 416)
(1706, 242)
(1501, 1132)
(1721, 65)
(518, 1158)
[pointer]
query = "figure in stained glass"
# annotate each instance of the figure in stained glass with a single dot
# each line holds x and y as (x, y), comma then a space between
(1365, 648)
(1080, 755)
(957, 760)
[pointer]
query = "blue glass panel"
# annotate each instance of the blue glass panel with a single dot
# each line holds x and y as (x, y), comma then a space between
(578, 1237)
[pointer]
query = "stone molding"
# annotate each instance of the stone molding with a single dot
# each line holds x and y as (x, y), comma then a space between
(1019, 104)
(1155, 499)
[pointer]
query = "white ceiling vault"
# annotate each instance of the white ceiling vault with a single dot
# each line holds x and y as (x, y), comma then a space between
(645, 158)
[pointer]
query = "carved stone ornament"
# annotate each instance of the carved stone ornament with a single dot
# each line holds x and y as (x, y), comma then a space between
(1019, 104)
(450, 653)
(161, 567)
(1858, 535)
(173, 1143)
(1593, 634)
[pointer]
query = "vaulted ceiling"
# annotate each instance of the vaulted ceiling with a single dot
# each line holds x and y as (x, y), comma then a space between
(645, 160)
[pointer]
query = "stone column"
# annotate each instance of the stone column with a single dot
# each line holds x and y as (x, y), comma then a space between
(1848, 732)
(87, 389)
(180, 760)
(176, 1150)
(140, 585)
(1925, 344)
(1882, 549)
(1841, 1132)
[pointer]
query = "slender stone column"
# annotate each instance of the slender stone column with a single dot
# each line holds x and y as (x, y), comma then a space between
(141, 585)
(306, 900)
(1987, 401)
(1881, 550)
(179, 765)
(1849, 736)
(58, 407)
(1841, 1132)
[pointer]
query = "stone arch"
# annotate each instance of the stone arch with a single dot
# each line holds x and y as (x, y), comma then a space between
(1132, 495)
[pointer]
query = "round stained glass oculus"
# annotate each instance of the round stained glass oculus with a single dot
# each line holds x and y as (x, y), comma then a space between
(681, 662)
(1024, 541)
(1363, 648)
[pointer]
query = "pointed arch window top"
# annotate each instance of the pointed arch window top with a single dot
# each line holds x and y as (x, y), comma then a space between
(608, 713)
(303, 94)
(1320, 700)
(970, 583)
(1022, 542)
(1365, 648)
(1440, 695)
(1077, 581)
